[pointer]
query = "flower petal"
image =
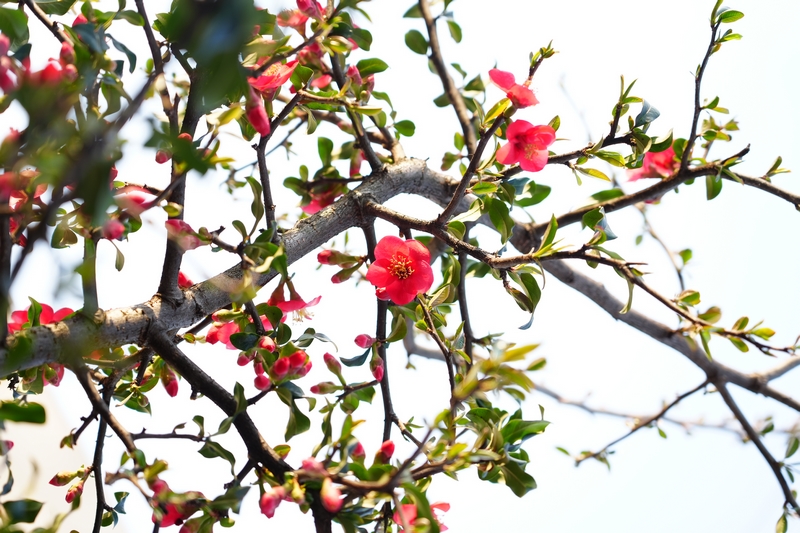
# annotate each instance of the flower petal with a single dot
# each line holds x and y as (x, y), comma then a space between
(418, 251)
(507, 155)
(388, 246)
(533, 160)
(522, 96)
(501, 78)
(378, 274)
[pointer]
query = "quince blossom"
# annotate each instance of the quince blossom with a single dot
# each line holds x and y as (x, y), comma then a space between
(656, 165)
(527, 145)
(520, 95)
(401, 269)
(295, 303)
(409, 512)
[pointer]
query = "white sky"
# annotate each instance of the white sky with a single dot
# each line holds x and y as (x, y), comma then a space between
(743, 263)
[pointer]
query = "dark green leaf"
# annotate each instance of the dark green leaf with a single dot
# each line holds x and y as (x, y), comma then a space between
(30, 412)
(55, 7)
(405, 127)
(125, 50)
(22, 511)
(371, 66)
(647, 115)
(416, 42)
(356, 361)
(455, 30)
(213, 449)
(519, 481)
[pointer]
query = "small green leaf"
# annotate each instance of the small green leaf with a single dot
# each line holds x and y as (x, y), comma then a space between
(783, 524)
(739, 344)
(791, 448)
(416, 42)
(455, 30)
(730, 16)
(371, 66)
(593, 172)
(405, 127)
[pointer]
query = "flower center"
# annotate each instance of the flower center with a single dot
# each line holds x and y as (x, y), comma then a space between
(400, 267)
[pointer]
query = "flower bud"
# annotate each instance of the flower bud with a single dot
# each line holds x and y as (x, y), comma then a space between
(326, 387)
(331, 496)
(183, 281)
(305, 370)
(162, 156)
(6, 446)
(376, 367)
(80, 19)
(270, 500)
(266, 343)
(62, 478)
(357, 452)
(185, 137)
(364, 341)
(280, 368)
(67, 54)
(243, 360)
(262, 382)
(75, 491)
(113, 229)
(333, 364)
(385, 453)
(314, 467)
(297, 360)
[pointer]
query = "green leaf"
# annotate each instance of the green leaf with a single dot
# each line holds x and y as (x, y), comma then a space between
(130, 16)
(741, 324)
(555, 123)
(791, 448)
(405, 127)
(501, 219)
(55, 7)
(455, 30)
(483, 188)
(711, 316)
(298, 422)
(325, 149)
(549, 233)
(244, 341)
(689, 297)
(22, 511)
(414, 12)
(457, 229)
(362, 37)
(612, 158)
(29, 412)
(783, 524)
(371, 66)
(519, 481)
(593, 172)
(739, 343)
(125, 50)
(14, 24)
(416, 42)
(521, 430)
(213, 449)
(647, 115)
(730, 16)
(356, 361)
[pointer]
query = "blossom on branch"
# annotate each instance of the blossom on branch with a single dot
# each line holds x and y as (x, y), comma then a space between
(409, 512)
(183, 234)
(656, 165)
(401, 270)
(527, 145)
(520, 95)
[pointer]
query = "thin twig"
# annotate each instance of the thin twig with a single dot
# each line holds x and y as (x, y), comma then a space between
(456, 100)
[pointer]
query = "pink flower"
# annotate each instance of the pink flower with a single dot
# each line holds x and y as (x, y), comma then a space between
(385, 453)
(527, 145)
(274, 77)
(292, 18)
(295, 303)
(409, 511)
(656, 165)
(183, 234)
(364, 341)
(520, 95)
(80, 19)
(331, 496)
(262, 382)
(222, 333)
(310, 8)
(113, 229)
(321, 82)
(183, 281)
(270, 500)
(401, 269)
(47, 316)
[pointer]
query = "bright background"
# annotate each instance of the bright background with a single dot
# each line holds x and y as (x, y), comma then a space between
(745, 261)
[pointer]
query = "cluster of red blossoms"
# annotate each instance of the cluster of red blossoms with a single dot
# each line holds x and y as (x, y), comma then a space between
(527, 144)
(15, 75)
(52, 373)
(656, 165)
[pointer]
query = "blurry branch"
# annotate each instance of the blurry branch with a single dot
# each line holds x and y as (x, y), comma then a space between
(652, 232)
(756, 438)
(100, 406)
(144, 435)
(44, 19)
(97, 464)
(640, 424)
(411, 346)
(447, 82)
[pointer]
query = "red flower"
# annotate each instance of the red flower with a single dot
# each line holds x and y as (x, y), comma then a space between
(401, 269)
(80, 19)
(656, 165)
(222, 333)
(321, 82)
(274, 77)
(183, 234)
(520, 95)
(331, 496)
(527, 145)
(295, 303)
(409, 511)
(292, 18)
(47, 316)
(183, 281)
(310, 8)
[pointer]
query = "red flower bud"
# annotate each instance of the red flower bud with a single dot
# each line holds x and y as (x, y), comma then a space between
(357, 452)
(243, 360)
(74, 491)
(80, 19)
(305, 370)
(266, 343)
(185, 137)
(270, 500)
(297, 360)
(62, 478)
(332, 363)
(162, 156)
(67, 53)
(113, 229)
(326, 387)
(262, 382)
(364, 341)
(331, 496)
(312, 466)
(385, 453)
(280, 368)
